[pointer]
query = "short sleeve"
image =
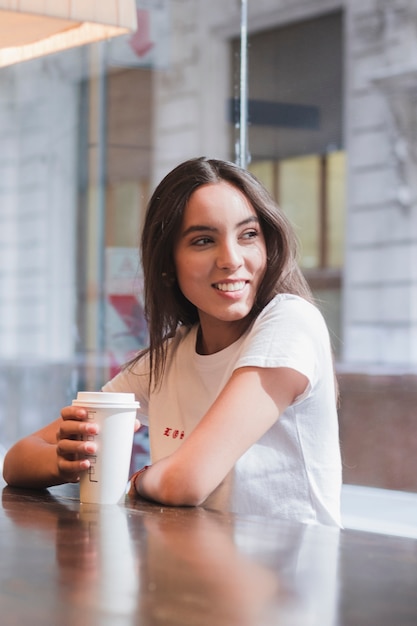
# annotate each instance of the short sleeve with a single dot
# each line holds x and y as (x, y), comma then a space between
(289, 332)
(135, 380)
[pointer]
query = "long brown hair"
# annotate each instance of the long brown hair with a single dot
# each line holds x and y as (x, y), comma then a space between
(166, 308)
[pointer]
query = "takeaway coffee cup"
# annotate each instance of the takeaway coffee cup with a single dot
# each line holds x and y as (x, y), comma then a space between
(115, 413)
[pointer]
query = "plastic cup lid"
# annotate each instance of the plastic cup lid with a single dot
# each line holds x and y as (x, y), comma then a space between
(105, 397)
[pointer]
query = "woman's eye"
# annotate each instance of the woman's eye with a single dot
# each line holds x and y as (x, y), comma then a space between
(201, 241)
(250, 234)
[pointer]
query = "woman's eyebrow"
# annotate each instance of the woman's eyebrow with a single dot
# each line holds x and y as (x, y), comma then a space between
(198, 228)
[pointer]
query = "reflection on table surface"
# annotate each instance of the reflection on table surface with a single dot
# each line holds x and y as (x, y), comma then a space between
(140, 563)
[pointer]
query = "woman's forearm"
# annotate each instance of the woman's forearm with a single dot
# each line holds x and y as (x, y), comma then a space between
(32, 463)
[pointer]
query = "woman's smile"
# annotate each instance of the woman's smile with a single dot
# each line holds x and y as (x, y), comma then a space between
(220, 259)
(230, 287)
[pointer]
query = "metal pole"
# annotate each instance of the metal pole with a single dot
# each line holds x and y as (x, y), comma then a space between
(101, 206)
(95, 325)
(243, 121)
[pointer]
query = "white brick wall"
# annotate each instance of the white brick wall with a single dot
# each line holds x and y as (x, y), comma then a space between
(380, 321)
(38, 134)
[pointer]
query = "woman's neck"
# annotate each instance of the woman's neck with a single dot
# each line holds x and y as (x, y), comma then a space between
(212, 340)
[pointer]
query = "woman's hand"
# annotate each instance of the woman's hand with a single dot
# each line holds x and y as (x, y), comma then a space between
(74, 443)
(57, 453)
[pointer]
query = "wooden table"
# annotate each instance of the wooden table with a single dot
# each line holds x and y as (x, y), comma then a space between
(63, 563)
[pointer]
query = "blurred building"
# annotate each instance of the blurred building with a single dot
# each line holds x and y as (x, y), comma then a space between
(86, 134)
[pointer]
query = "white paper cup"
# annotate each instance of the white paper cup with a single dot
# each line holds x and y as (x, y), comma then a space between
(115, 413)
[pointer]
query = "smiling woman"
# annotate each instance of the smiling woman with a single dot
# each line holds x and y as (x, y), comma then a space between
(220, 260)
(237, 385)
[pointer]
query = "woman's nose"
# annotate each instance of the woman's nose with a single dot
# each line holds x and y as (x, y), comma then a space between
(229, 256)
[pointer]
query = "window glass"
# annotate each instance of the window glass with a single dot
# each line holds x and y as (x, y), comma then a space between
(295, 91)
(295, 77)
(86, 135)
(299, 185)
(266, 171)
(311, 191)
(335, 202)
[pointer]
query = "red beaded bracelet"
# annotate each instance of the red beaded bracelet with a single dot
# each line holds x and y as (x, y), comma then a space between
(133, 491)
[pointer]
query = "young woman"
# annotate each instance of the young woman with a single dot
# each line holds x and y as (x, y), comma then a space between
(237, 386)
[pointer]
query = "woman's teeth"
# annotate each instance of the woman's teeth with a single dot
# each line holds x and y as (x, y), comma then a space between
(230, 286)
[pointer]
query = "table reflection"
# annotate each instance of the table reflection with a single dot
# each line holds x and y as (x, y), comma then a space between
(194, 561)
(82, 554)
(141, 563)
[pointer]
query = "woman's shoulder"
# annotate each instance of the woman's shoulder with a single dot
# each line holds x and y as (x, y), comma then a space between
(289, 303)
(289, 313)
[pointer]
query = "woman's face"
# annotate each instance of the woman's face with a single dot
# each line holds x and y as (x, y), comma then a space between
(220, 256)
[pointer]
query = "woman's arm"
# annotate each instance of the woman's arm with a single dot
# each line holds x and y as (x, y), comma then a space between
(53, 455)
(250, 403)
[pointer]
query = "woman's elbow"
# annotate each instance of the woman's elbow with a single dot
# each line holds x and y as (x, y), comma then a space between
(176, 491)
(8, 474)
(11, 476)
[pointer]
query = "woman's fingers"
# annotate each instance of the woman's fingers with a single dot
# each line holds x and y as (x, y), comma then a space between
(71, 470)
(75, 448)
(73, 457)
(71, 429)
(74, 413)
(75, 443)
(74, 424)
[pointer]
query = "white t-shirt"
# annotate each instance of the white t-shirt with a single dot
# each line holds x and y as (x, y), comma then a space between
(294, 470)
